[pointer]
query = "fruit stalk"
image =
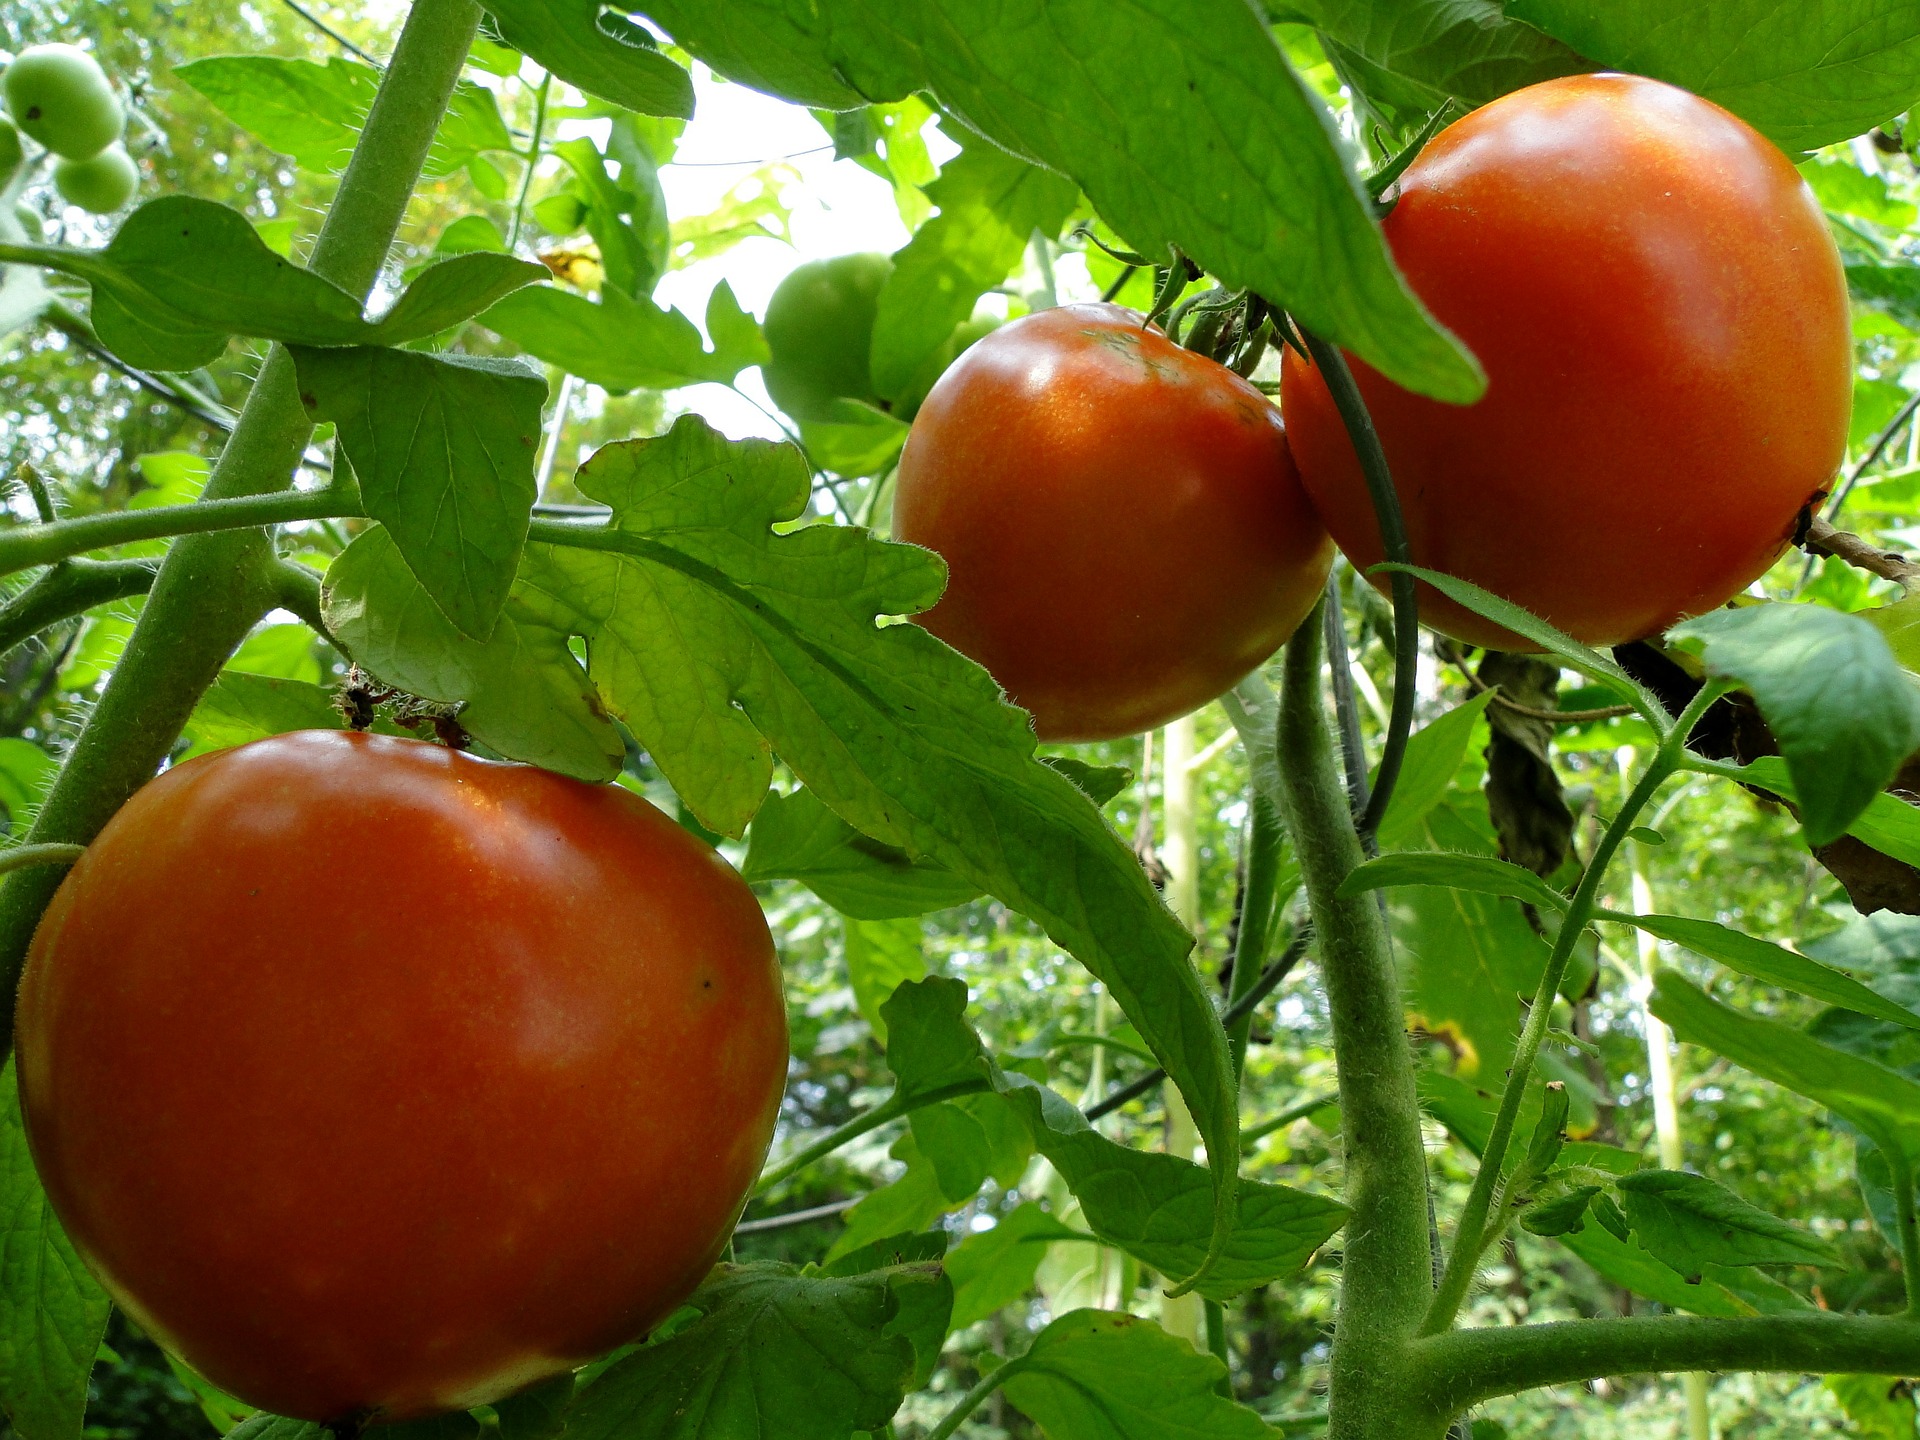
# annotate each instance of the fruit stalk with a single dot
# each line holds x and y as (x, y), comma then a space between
(213, 588)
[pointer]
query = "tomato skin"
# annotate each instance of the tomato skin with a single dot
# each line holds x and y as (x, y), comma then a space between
(372, 1077)
(1662, 315)
(100, 184)
(819, 327)
(1125, 533)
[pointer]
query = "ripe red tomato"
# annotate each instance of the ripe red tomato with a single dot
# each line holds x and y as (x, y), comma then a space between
(1124, 530)
(1663, 320)
(376, 1079)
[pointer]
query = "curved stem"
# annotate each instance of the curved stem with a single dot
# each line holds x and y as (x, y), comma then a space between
(23, 857)
(533, 160)
(1266, 838)
(1470, 1234)
(1449, 1373)
(30, 545)
(213, 587)
(892, 1108)
(71, 589)
(976, 1397)
(1393, 544)
(1902, 1170)
(1386, 1269)
(1312, 1105)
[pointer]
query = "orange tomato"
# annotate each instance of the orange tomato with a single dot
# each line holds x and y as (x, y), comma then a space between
(1662, 316)
(1125, 533)
(378, 1080)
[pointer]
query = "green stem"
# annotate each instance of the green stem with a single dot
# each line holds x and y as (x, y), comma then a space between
(1470, 1234)
(1266, 838)
(1312, 1105)
(1452, 1372)
(1902, 1169)
(892, 1108)
(533, 160)
(1217, 1344)
(1394, 545)
(30, 545)
(71, 589)
(212, 588)
(25, 857)
(1386, 1269)
(976, 1397)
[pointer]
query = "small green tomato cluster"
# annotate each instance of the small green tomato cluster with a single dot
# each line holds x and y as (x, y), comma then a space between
(59, 97)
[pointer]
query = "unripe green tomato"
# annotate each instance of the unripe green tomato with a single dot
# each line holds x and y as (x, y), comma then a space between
(819, 326)
(964, 334)
(60, 96)
(101, 184)
(10, 153)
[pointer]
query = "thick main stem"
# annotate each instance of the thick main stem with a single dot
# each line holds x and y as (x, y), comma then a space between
(212, 588)
(1386, 1274)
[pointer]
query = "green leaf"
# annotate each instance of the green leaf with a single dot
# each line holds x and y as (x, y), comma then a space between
(241, 706)
(912, 1202)
(278, 1427)
(925, 1310)
(882, 955)
(1844, 712)
(807, 1357)
(25, 772)
(183, 274)
(1563, 1215)
(536, 1414)
(1155, 1206)
(313, 112)
(443, 447)
(1880, 1101)
(970, 1141)
(1774, 964)
(717, 640)
(1100, 783)
(990, 205)
(1724, 1293)
(1195, 101)
(522, 684)
(1468, 49)
(1889, 824)
(991, 1269)
(1576, 656)
(1892, 289)
(52, 1312)
(1803, 75)
(634, 255)
(796, 837)
(622, 343)
(1097, 1375)
(1689, 1221)
(606, 56)
(1880, 1407)
(1432, 759)
(1480, 873)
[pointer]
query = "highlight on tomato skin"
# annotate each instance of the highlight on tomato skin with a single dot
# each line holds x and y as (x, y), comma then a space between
(1125, 532)
(375, 1079)
(1662, 314)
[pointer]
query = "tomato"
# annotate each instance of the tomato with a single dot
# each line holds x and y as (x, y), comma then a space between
(101, 184)
(60, 96)
(1663, 320)
(10, 152)
(819, 327)
(372, 1078)
(1124, 531)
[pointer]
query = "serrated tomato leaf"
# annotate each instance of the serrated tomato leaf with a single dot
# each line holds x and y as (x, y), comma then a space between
(1803, 75)
(604, 55)
(796, 837)
(717, 640)
(1690, 1221)
(622, 342)
(1208, 140)
(443, 447)
(53, 1313)
(1843, 710)
(1480, 873)
(775, 1351)
(1468, 49)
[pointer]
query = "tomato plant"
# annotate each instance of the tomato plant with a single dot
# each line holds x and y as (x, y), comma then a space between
(1077, 471)
(510, 1092)
(1662, 315)
(1300, 1018)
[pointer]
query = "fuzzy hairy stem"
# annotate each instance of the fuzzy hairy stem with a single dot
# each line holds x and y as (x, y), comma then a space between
(1449, 1373)
(212, 588)
(1386, 1273)
(69, 590)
